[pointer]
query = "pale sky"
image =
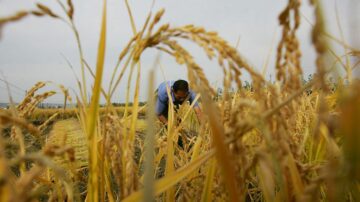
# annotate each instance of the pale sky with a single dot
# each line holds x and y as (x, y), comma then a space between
(31, 50)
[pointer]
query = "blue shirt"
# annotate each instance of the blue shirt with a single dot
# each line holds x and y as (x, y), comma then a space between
(162, 100)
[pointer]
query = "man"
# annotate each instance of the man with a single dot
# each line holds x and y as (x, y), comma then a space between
(179, 91)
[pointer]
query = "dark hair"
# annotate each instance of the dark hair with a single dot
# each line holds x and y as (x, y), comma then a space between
(180, 85)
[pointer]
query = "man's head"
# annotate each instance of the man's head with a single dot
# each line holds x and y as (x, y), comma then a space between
(180, 89)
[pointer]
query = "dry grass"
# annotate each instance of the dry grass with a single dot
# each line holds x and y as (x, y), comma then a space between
(285, 141)
(43, 114)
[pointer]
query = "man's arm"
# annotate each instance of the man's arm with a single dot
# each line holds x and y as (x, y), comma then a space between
(162, 119)
(159, 109)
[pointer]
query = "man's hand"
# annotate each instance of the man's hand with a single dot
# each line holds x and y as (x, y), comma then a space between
(162, 119)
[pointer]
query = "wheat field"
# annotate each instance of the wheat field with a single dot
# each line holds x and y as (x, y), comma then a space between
(287, 140)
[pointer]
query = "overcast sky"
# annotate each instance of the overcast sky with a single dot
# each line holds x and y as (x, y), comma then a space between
(31, 50)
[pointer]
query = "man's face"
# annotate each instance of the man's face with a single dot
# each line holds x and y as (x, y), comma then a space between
(180, 95)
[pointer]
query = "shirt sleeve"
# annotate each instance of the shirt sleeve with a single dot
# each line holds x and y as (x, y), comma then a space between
(192, 98)
(160, 106)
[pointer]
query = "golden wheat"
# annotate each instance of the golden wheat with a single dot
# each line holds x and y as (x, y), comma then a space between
(283, 141)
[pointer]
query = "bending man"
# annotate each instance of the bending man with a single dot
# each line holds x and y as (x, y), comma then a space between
(180, 92)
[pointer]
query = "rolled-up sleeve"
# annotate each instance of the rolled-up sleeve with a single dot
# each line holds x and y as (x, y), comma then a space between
(160, 106)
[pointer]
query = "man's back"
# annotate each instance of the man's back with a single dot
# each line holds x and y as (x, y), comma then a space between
(162, 91)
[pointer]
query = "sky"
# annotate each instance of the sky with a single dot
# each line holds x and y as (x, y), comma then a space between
(35, 49)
